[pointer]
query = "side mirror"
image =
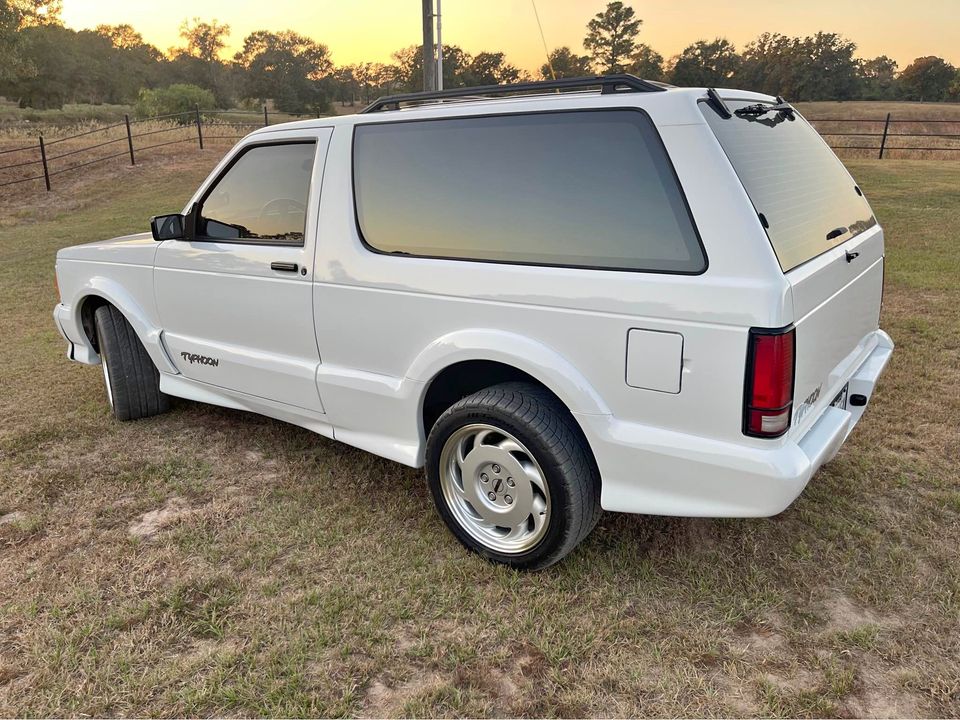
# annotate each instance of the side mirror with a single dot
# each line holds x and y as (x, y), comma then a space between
(167, 227)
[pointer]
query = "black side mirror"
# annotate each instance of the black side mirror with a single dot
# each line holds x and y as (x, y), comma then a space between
(167, 227)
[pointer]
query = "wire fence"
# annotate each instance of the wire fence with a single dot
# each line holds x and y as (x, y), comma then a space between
(889, 137)
(46, 159)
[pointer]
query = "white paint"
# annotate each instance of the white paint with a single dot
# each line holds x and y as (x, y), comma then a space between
(654, 360)
(350, 349)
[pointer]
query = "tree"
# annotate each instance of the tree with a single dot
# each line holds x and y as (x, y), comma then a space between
(878, 78)
(705, 64)
(122, 37)
(769, 65)
(646, 63)
(345, 84)
(10, 59)
(288, 67)
(927, 78)
(827, 68)
(198, 62)
(35, 13)
(409, 67)
(565, 64)
(16, 16)
(611, 37)
(204, 40)
(488, 68)
(818, 67)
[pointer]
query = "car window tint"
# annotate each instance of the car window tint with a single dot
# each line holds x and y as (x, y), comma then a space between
(584, 189)
(807, 198)
(262, 197)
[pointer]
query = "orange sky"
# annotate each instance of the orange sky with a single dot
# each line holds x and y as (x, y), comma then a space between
(357, 30)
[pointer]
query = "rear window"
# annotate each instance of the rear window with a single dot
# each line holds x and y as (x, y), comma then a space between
(580, 189)
(800, 188)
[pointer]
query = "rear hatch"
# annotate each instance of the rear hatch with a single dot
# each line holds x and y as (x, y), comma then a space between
(824, 234)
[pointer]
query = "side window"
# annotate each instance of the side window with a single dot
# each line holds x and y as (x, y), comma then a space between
(582, 189)
(262, 197)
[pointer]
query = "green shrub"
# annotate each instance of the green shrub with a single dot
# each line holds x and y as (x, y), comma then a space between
(179, 98)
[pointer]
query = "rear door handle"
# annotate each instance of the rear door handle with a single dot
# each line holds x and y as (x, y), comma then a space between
(836, 232)
(284, 266)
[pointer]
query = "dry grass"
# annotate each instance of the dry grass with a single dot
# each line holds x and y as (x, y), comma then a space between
(212, 562)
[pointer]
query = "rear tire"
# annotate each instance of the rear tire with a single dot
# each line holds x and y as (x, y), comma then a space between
(512, 476)
(132, 380)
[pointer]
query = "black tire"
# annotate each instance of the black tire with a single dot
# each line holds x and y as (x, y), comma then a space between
(540, 422)
(131, 378)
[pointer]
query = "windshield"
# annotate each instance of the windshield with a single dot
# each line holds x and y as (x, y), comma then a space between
(804, 196)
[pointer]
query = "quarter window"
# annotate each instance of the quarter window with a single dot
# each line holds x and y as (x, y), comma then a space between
(582, 189)
(262, 197)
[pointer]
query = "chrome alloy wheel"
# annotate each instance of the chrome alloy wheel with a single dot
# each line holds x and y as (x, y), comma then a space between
(495, 488)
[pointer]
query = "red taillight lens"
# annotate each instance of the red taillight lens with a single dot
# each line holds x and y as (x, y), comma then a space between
(768, 396)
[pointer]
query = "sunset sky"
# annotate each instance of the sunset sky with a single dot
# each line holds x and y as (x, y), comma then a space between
(369, 30)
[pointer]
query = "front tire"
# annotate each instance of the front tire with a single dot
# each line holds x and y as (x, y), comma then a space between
(512, 476)
(132, 380)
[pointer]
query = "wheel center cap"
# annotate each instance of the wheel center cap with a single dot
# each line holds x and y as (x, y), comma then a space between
(496, 484)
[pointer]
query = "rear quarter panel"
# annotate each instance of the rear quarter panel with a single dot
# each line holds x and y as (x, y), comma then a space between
(377, 314)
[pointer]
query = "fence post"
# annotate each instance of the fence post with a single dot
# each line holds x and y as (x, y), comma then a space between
(43, 158)
(266, 120)
(199, 128)
(883, 140)
(126, 119)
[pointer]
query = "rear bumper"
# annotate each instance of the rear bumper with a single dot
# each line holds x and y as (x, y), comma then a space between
(659, 472)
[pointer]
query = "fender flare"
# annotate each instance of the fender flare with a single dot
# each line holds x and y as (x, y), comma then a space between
(115, 294)
(540, 361)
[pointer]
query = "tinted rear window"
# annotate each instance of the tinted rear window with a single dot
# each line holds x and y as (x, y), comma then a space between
(794, 180)
(583, 189)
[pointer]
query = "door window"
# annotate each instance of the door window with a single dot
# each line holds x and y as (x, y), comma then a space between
(261, 198)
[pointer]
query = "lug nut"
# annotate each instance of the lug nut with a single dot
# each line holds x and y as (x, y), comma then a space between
(483, 477)
(510, 482)
(492, 496)
(508, 499)
(496, 468)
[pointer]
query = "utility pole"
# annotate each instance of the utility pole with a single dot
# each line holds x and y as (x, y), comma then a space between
(439, 50)
(429, 66)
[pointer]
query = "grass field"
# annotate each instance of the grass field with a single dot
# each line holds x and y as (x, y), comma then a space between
(212, 562)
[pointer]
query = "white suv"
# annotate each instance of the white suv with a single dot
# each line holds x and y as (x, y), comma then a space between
(594, 293)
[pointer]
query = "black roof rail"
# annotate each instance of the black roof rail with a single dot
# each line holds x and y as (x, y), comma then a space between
(607, 84)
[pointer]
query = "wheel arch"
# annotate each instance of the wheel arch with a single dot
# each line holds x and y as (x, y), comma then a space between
(464, 362)
(101, 291)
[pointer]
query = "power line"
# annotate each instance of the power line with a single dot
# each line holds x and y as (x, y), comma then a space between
(543, 39)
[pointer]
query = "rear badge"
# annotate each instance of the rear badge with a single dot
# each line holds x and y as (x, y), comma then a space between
(807, 404)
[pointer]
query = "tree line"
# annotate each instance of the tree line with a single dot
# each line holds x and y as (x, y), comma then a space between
(44, 65)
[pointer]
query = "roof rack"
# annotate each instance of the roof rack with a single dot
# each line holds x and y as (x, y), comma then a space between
(607, 84)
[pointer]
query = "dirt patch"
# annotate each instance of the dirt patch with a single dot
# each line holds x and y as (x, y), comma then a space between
(151, 523)
(883, 703)
(382, 700)
(765, 641)
(843, 614)
(12, 517)
(735, 694)
(880, 696)
(795, 680)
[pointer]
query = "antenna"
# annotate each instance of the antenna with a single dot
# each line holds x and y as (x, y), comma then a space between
(542, 38)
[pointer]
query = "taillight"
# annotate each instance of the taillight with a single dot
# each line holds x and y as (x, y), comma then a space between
(768, 392)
